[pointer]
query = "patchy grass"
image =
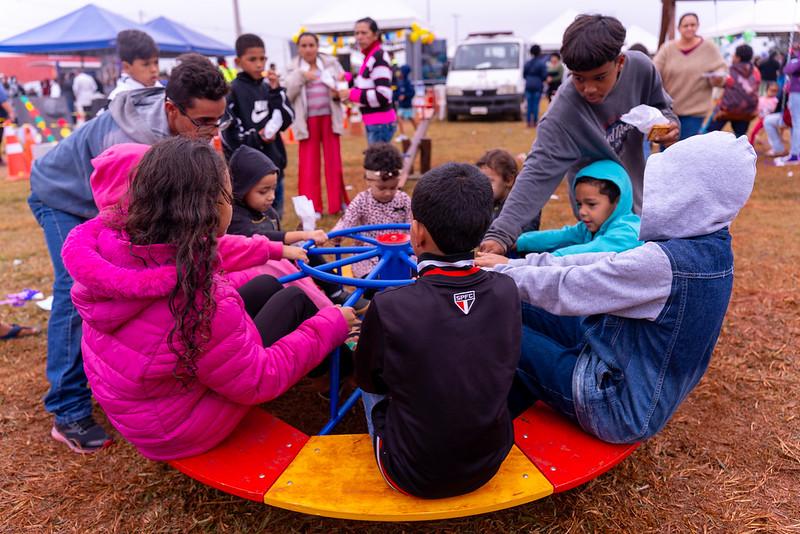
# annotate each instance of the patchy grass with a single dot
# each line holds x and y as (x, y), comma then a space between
(728, 461)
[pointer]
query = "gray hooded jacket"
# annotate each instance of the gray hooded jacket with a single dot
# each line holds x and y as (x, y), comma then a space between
(60, 179)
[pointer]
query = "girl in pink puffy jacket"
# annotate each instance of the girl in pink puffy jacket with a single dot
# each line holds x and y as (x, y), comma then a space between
(176, 355)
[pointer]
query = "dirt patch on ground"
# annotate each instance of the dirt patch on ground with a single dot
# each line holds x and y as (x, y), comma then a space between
(728, 461)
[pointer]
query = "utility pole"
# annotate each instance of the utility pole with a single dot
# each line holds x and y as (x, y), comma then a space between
(237, 23)
(428, 12)
(455, 27)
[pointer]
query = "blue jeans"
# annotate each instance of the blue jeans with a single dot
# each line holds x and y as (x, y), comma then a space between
(380, 133)
(370, 400)
(794, 109)
(532, 113)
(550, 349)
(690, 125)
(68, 399)
(739, 127)
(773, 124)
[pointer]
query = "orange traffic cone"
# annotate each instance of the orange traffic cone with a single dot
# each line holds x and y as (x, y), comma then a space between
(217, 143)
(17, 169)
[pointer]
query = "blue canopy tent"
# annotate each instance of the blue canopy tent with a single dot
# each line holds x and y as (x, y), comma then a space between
(192, 40)
(88, 30)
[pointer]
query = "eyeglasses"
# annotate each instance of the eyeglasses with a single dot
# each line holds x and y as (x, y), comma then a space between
(221, 123)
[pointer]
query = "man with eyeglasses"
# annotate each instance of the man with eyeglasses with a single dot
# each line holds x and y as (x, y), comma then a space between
(192, 105)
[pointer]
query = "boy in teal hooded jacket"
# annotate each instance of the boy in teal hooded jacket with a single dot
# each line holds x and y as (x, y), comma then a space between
(604, 196)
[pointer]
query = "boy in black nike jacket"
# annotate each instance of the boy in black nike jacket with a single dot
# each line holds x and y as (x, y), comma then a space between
(259, 108)
(436, 359)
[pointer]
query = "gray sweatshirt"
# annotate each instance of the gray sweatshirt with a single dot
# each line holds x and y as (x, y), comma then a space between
(61, 177)
(574, 133)
(694, 188)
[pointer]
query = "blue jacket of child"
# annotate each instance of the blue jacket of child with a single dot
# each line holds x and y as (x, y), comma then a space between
(619, 232)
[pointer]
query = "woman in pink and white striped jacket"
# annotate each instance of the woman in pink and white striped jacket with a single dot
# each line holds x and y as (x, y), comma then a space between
(372, 88)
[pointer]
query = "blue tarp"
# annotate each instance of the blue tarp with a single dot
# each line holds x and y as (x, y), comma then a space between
(192, 40)
(88, 30)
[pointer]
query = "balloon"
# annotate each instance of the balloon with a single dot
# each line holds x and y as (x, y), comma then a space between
(29, 106)
(340, 41)
(401, 34)
(330, 39)
(429, 39)
(65, 132)
(729, 38)
(748, 35)
(415, 27)
(415, 35)
(295, 38)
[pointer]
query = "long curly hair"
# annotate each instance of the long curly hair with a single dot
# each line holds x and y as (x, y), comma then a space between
(174, 200)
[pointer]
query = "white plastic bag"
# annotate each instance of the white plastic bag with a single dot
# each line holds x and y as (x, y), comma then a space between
(304, 209)
(644, 117)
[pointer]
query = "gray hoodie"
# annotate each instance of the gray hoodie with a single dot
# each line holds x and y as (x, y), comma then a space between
(574, 133)
(60, 179)
(694, 188)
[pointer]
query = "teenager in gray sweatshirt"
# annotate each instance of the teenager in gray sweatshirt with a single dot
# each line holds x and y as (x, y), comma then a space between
(582, 124)
(617, 341)
(61, 199)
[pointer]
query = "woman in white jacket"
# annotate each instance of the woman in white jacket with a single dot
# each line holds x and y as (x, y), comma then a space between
(312, 85)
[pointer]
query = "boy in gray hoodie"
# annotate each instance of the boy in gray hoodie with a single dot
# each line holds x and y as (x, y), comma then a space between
(583, 123)
(617, 341)
(61, 199)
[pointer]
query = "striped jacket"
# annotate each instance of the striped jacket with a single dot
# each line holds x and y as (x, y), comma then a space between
(372, 89)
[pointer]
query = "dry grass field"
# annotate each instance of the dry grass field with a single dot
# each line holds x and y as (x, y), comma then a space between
(729, 461)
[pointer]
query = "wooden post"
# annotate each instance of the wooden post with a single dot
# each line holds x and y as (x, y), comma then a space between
(667, 30)
(411, 153)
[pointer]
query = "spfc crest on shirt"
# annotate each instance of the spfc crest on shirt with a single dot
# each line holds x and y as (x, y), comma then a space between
(464, 301)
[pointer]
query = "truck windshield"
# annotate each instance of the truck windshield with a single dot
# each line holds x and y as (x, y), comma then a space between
(486, 56)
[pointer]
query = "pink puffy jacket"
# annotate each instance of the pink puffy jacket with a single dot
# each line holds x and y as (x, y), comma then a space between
(121, 293)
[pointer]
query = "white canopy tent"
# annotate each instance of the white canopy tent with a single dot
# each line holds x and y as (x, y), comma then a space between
(763, 17)
(637, 34)
(549, 37)
(340, 17)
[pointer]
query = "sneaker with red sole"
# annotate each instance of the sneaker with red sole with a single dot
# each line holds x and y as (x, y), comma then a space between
(84, 436)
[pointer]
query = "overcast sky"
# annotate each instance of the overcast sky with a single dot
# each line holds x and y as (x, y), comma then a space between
(280, 19)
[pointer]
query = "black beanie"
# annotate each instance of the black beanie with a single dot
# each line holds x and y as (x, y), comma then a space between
(248, 166)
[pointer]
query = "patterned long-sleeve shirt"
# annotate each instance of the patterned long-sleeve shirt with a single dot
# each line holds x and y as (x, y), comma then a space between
(364, 210)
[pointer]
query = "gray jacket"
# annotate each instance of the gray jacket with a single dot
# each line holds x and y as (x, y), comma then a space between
(61, 177)
(574, 133)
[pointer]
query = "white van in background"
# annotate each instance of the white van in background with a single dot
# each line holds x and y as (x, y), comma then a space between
(485, 76)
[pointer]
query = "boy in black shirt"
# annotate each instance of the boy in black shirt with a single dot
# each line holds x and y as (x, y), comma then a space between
(259, 108)
(436, 359)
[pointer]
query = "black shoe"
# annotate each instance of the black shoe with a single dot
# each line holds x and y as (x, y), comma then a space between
(84, 436)
(341, 296)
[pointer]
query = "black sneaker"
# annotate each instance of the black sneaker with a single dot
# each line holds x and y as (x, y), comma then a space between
(84, 436)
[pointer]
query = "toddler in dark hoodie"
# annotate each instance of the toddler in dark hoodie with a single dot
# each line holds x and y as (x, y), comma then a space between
(617, 341)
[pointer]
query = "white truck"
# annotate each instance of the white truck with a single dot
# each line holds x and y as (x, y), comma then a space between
(485, 76)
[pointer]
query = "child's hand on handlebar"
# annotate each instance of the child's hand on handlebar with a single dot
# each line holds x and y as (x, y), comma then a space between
(294, 253)
(486, 259)
(349, 314)
(319, 236)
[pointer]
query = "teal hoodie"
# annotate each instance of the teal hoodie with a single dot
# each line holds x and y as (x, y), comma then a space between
(618, 233)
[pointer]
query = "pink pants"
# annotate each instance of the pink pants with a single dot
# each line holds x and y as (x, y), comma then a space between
(320, 132)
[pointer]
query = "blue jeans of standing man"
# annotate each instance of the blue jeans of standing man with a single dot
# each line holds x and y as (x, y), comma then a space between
(380, 133)
(68, 399)
(532, 113)
(690, 125)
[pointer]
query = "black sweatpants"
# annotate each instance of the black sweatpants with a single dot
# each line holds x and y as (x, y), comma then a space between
(276, 310)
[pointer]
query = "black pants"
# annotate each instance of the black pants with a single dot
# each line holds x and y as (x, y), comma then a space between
(739, 127)
(276, 310)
